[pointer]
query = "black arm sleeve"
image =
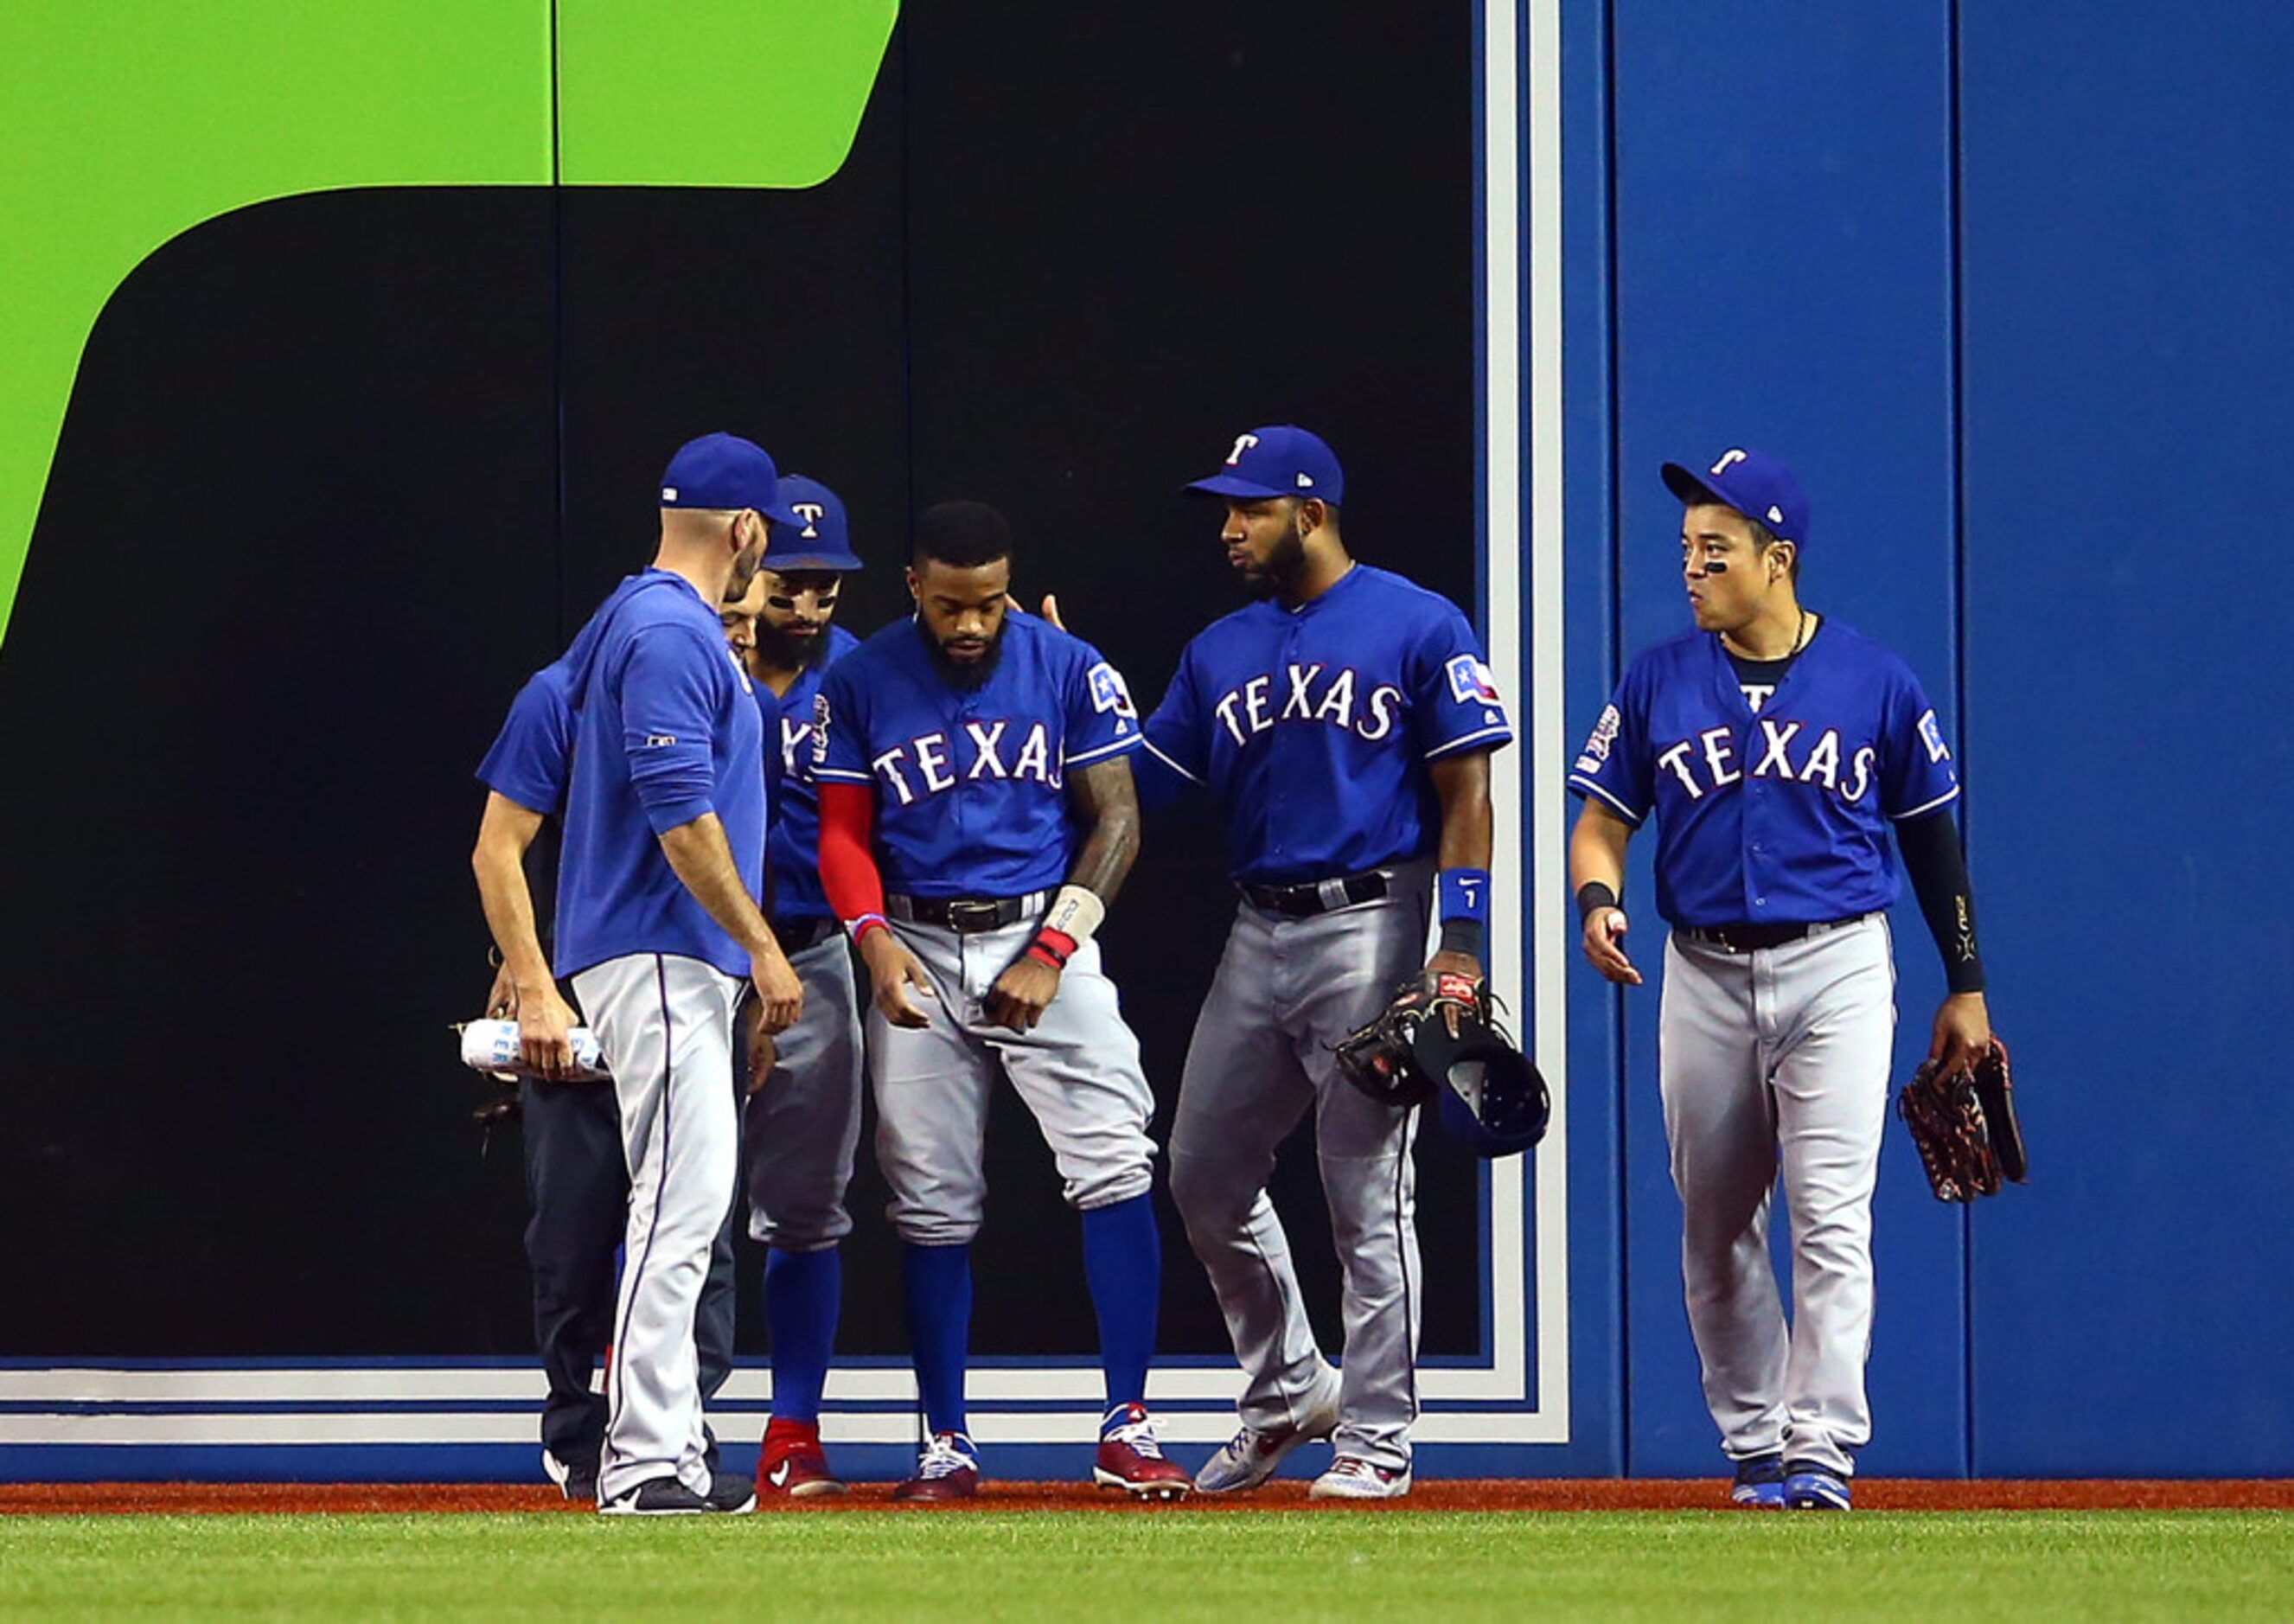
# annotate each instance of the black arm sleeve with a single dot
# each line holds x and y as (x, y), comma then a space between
(1933, 857)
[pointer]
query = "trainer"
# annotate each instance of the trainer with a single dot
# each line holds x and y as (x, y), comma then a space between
(658, 924)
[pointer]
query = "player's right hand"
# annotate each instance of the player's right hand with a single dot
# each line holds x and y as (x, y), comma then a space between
(892, 970)
(1605, 936)
(543, 1021)
(780, 996)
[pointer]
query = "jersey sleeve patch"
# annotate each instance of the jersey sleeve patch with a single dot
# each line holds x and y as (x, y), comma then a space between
(1109, 696)
(1595, 753)
(1470, 682)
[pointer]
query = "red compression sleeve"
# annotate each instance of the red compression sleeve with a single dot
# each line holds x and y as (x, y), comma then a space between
(847, 866)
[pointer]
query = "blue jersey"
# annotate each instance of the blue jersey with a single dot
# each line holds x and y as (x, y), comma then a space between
(1778, 817)
(533, 753)
(792, 848)
(667, 730)
(1314, 725)
(971, 784)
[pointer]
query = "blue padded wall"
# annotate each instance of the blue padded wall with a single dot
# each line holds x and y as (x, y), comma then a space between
(2128, 276)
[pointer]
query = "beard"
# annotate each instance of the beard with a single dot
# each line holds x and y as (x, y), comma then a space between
(1286, 561)
(783, 652)
(964, 675)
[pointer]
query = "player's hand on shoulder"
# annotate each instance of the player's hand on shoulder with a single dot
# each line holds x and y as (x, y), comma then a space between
(1022, 994)
(1604, 944)
(544, 1020)
(1051, 612)
(1963, 1033)
(780, 996)
(892, 972)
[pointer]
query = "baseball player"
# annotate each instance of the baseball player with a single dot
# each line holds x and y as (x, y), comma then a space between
(1345, 722)
(977, 817)
(1775, 748)
(577, 1183)
(658, 926)
(802, 1124)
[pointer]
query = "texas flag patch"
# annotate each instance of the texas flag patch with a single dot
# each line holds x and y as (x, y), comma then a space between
(1470, 682)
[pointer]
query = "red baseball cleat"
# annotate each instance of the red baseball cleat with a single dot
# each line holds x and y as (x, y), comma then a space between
(948, 1470)
(1132, 1460)
(791, 1465)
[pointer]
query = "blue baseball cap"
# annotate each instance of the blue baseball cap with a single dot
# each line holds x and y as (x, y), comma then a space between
(725, 472)
(1281, 460)
(1753, 483)
(817, 536)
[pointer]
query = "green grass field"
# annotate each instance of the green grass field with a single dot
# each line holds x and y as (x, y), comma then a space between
(1240, 1569)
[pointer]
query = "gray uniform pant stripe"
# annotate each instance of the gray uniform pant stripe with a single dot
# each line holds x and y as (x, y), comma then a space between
(666, 1026)
(1780, 1058)
(1286, 991)
(802, 1127)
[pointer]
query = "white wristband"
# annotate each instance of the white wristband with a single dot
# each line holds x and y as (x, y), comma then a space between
(1075, 913)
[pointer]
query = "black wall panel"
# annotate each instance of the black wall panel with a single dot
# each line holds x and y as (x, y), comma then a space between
(339, 470)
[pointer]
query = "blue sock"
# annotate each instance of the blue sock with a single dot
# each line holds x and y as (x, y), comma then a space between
(938, 1283)
(1123, 1261)
(802, 1293)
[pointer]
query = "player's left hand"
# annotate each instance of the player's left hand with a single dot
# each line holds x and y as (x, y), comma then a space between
(764, 1052)
(1963, 1033)
(1451, 963)
(1051, 612)
(1022, 994)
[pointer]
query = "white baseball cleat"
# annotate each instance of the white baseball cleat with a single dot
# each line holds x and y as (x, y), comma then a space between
(1251, 1457)
(1353, 1478)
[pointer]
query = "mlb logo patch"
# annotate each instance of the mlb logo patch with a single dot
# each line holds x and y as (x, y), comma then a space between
(1470, 682)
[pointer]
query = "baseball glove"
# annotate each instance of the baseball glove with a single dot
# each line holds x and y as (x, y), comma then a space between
(1964, 1126)
(1380, 1058)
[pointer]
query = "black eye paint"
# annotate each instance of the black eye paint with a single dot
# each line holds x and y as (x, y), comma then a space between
(1716, 566)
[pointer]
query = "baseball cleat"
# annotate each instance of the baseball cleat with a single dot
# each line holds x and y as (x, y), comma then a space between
(1353, 1478)
(1130, 1458)
(948, 1470)
(576, 1479)
(1808, 1487)
(1251, 1457)
(791, 1465)
(666, 1497)
(1759, 1484)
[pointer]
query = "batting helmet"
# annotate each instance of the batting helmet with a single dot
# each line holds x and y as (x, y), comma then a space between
(1490, 1094)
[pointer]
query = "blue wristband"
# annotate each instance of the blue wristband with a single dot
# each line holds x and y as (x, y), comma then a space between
(1463, 894)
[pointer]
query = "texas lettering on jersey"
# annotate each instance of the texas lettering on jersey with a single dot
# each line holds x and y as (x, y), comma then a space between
(970, 783)
(935, 762)
(1778, 814)
(1315, 726)
(1311, 693)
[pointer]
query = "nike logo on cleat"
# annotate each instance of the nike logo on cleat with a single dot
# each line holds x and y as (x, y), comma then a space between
(778, 1475)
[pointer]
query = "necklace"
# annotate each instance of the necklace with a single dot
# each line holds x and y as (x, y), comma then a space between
(1800, 641)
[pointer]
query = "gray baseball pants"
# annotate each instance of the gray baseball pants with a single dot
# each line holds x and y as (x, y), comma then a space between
(665, 1023)
(1779, 1058)
(802, 1127)
(1077, 1072)
(1286, 991)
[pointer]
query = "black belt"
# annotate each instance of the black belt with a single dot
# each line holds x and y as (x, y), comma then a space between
(967, 915)
(795, 935)
(1308, 898)
(1753, 938)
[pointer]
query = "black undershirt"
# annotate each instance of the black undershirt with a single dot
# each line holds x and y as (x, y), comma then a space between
(1932, 856)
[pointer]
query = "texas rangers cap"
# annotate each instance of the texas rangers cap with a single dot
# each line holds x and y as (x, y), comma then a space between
(725, 472)
(816, 539)
(1281, 460)
(1753, 483)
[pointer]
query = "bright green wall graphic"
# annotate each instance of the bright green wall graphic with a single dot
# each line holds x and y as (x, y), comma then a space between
(125, 125)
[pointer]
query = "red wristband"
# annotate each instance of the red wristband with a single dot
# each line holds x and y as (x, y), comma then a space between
(1051, 947)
